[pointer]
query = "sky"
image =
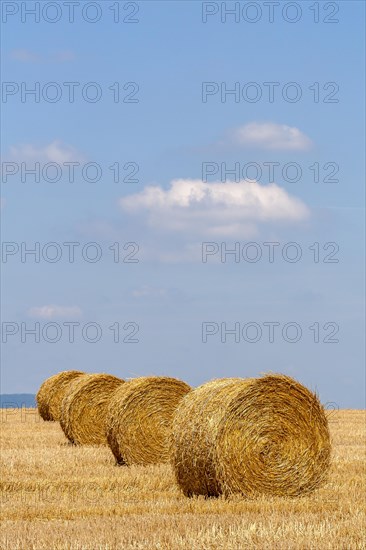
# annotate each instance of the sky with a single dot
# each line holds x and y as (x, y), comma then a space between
(191, 183)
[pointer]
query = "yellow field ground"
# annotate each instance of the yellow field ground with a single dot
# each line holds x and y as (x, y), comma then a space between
(56, 496)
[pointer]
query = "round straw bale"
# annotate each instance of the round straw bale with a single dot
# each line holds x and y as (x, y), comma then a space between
(252, 436)
(84, 408)
(52, 391)
(140, 419)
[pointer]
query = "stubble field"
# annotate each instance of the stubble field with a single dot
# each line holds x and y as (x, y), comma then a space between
(58, 496)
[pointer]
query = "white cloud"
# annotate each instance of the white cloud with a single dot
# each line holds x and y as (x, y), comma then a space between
(268, 135)
(27, 56)
(214, 209)
(24, 55)
(63, 56)
(147, 291)
(56, 151)
(186, 253)
(53, 311)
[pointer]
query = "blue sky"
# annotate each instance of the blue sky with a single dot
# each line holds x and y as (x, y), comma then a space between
(170, 211)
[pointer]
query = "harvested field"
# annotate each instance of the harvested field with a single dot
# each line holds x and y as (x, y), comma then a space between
(57, 496)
